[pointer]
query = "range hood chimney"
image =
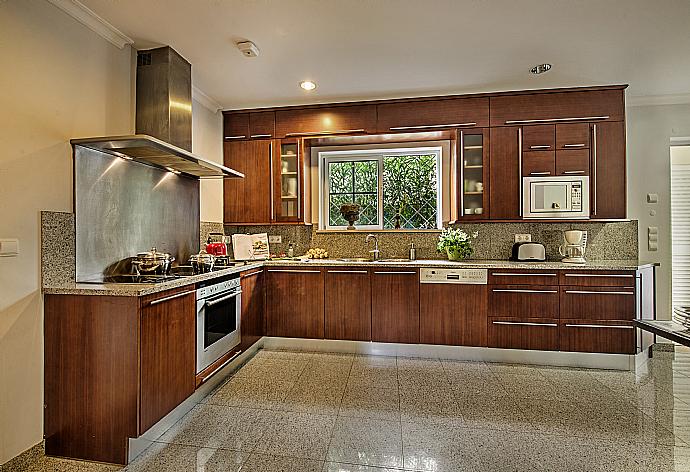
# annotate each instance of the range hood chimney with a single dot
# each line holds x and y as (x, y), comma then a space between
(164, 96)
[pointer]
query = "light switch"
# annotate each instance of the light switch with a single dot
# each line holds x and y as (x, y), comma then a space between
(275, 239)
(652, 198)
(9, 247)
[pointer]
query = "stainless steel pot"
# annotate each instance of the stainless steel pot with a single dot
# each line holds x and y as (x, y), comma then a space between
(153, 262)
(202, 262)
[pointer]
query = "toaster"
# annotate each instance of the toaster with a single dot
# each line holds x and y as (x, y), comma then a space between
(528, 252)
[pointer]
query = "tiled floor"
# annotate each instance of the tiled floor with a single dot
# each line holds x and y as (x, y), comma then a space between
(287, 411)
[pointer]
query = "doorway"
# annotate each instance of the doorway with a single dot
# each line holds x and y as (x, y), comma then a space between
(680, 223)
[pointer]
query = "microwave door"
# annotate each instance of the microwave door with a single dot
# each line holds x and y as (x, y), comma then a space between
(549, 197)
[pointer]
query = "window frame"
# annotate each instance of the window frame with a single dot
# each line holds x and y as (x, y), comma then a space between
(377, 154)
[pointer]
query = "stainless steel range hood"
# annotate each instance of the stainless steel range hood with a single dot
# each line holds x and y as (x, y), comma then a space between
(163, 120)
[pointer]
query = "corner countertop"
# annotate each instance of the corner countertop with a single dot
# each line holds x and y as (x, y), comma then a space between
(137, 290)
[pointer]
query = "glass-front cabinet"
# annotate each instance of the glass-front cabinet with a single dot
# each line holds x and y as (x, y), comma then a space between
(287, 181)
(472, 171)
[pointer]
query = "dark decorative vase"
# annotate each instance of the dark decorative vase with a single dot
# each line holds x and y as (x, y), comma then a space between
(350, 212)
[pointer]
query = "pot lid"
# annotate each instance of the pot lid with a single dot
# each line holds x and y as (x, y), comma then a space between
(153, 254)
(203, 256)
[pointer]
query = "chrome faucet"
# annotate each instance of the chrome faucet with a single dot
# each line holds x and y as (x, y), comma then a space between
(374, 254)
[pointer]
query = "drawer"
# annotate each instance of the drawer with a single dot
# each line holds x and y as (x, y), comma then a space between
(172, 294)
(598, 303)
(572, 162)
(599, 278)
(538, 138)
(433, 114)
(523, 277)
(539, 164)
(572, 136)
(534, 301)
(611, 337)
(523, 333)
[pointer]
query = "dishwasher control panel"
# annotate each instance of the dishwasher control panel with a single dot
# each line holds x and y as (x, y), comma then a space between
(453, 276)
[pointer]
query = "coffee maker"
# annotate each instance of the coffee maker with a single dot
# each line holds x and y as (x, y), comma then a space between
(573, 247)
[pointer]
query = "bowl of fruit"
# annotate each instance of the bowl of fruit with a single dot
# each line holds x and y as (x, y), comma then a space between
(317, 253)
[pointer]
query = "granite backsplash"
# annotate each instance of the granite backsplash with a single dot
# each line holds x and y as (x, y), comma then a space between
(606, 241)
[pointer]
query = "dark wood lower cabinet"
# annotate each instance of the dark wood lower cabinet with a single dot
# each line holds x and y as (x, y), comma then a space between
(523, 301)
(295, 307)
(252, 326)
(614, 337)
(452, 314)
(395, 306)
(348, 305)
(526, 333)
(598, 303)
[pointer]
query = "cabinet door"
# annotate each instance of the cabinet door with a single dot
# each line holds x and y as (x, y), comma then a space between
(524, 301)
(572, 162)
(598, 303)
(523, 333)
(572, 136)
(395, 306)
(452, 314)
(248, 200)
(539, 137)
(433, 114)
(504, 188)
(290, 181)
(262, 124)
(348, 304)
(608, 179)
(253, 307)
(472, 172)
(167, 353)
(295, 305)
(347, 119)
(235, 126)
(539, 164)
(611, 337)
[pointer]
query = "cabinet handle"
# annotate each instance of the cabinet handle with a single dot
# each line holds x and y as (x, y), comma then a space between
(241, 136)
(526, 274)
(592, 292)
(521, 198)
(326, 133)
(251, 274)
(462, 173)
(260, 135)
(594, 170)
(271, 189)
(524, 323)
(626, 276)
(446, 125)
(569, 172)
(522, 290)
(556, 120)
(216, 301)
(296, 271)
(205, 378)
(598, 326)
(171, 297)
(347, 271)
(540, 173)
(580, 145)
(394, 272)
(541, 146)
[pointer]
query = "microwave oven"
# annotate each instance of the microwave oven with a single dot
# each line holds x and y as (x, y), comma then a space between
(555, 197)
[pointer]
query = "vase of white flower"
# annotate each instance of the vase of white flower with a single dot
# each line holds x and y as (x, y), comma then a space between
(456, 243)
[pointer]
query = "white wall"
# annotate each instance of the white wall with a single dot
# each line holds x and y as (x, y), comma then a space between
(59, 81)
(649, 132)
(207, 142)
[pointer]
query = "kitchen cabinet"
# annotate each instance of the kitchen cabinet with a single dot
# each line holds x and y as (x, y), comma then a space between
(539, 164)
(598, 303)
(523, 277)
(608, 173)
(262, 124)
(395, 305)
(453, 314)
(520, 301)
(523, 333)
(432, 114)
(253, 307)
(235, 126)
(571, 136)
(572, 162)
(504, 183)
(316, 121)
(611, 337)
(290, 176)
(247, 200)
(539, 138)
(248, 125)
(295, 305)
(348, 304)
(472, 171)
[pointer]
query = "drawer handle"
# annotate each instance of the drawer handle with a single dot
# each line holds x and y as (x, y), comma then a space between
(540, 146)
(570, 172)
(295, 271)
(540, 173)
(555, 120)
(622, 276)
(591, 292)
(446, 125)
(523, 290)
(171, 297)
(510, 274)
(326, 133)
(241, 136)
(574, 145)
(251, 274)
(260, 135)
(398, 272)
(347, 271)
(598, 326)
(524, 323)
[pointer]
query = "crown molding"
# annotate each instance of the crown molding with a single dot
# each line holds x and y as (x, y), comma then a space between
(650, 100)
(95, 23)
(200, 97)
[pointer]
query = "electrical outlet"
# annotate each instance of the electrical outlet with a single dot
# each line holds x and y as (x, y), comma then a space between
(523, 238)
(275, 239)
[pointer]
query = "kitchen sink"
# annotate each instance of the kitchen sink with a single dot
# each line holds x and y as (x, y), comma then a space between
(393, 260)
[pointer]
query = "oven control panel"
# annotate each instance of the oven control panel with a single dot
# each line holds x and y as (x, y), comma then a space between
(216, 288)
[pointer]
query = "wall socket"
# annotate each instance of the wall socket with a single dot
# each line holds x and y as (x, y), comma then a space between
(523, 238)
(275, 239)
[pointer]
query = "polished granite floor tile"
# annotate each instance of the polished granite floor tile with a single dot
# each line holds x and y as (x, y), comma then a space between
(366, 442)
(162, 457)
(340, 467)
(270, 463)
(297, 434)
(375, 403)
(248, 392)
(435, 404)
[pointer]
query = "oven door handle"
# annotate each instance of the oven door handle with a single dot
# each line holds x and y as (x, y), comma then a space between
(222, 299)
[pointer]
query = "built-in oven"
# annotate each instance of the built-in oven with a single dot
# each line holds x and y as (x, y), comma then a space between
(555, 197)
(218, 311)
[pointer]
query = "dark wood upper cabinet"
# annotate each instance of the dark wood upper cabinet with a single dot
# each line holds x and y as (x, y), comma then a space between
(555, 107)
(253, 307)
(572, 162)
(248, 200)
(538, 138)
(235, 126)
(452, 314)
(473, 174)
(346, 119)
(432, 114)
(295, 307)
(395, 306)
(572, 136)
(539, 164)
(262, 124)
(348, 304)
(608, 171)
(504, 186)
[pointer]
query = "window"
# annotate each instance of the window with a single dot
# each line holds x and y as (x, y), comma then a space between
(391, 186)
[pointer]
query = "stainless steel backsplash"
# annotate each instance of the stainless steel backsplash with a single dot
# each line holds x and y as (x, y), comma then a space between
(123, 207)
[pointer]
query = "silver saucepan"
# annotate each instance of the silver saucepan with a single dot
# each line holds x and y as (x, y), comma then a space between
(152, 263)
(202, 262)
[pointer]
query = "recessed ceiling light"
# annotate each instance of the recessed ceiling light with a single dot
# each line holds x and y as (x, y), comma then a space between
(307, 85)
(540, 69)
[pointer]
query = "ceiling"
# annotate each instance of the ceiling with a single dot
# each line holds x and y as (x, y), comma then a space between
(369, 49)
